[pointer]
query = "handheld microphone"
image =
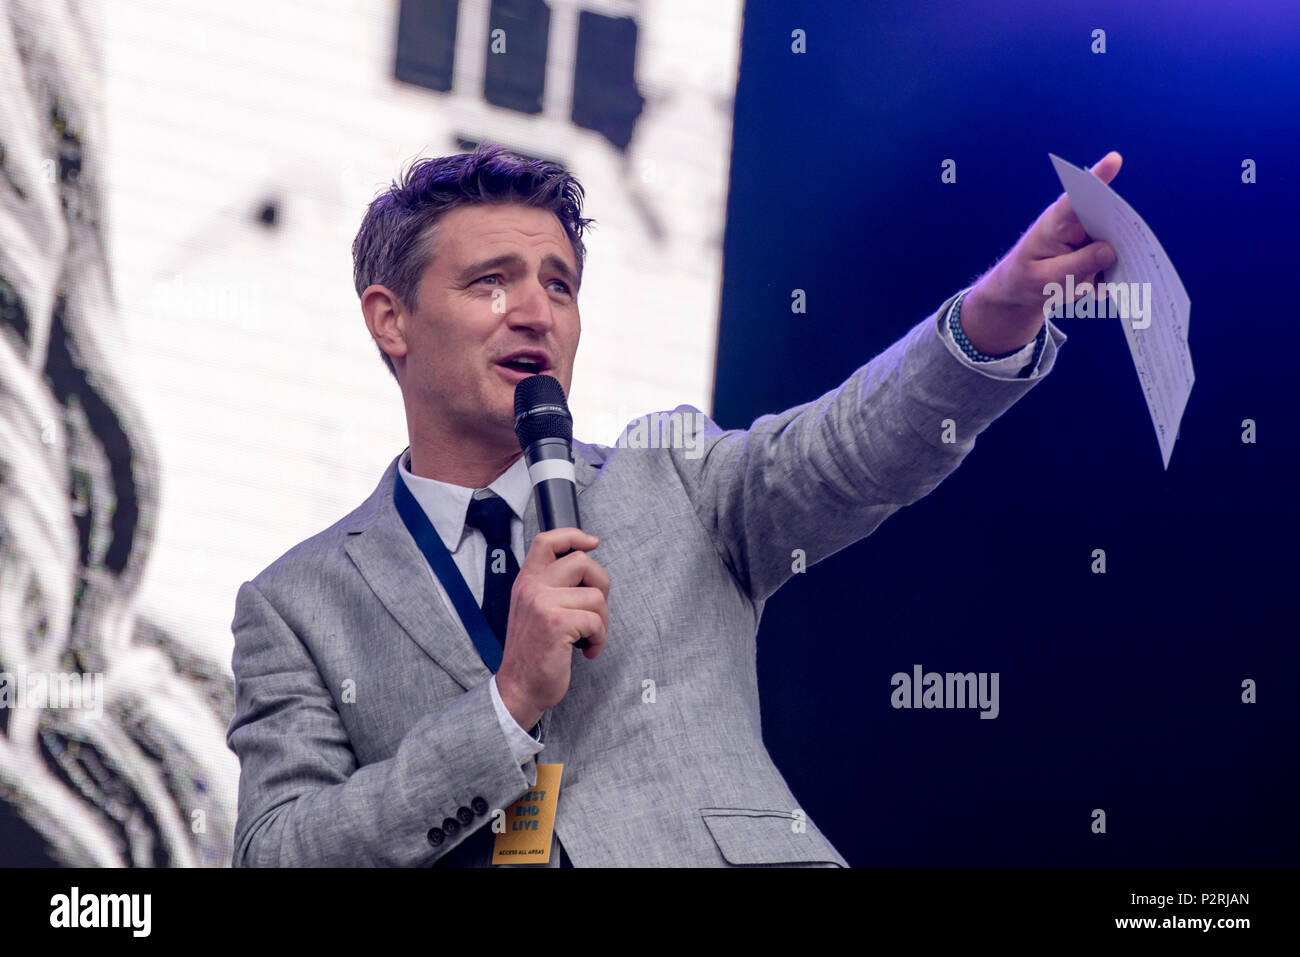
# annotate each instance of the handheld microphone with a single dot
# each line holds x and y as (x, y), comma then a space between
(544, 428)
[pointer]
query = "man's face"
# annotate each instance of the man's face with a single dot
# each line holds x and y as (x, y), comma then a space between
(502, 285)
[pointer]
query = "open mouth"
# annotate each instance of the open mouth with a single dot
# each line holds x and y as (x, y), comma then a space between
(526, 366)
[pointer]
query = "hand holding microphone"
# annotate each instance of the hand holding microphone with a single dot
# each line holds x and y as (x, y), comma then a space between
(560, 599)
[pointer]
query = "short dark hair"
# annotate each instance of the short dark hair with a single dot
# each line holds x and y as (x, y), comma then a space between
(395, 243)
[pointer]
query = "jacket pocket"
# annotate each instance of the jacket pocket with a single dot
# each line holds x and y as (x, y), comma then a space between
(752, 836)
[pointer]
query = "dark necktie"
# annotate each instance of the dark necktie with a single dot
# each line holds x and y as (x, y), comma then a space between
(491, 516)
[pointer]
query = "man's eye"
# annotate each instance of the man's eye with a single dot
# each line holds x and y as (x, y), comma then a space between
(493, 276)
(563, 285)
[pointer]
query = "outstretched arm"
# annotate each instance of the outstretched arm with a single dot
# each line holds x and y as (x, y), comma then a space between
(820, 476)
(812, 480)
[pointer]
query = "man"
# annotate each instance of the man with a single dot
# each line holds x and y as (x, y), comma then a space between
(371, 729)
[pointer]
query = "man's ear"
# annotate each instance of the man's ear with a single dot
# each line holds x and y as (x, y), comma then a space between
(386, 319)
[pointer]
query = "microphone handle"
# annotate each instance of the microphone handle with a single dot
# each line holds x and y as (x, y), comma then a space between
(557, 498)
(557, 504)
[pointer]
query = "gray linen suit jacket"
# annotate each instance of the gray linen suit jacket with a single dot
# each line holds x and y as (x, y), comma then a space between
(363, 713)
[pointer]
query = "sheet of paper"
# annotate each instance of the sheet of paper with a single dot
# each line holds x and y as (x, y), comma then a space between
(1155, 321)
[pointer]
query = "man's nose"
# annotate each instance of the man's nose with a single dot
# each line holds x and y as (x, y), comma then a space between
(531, 307)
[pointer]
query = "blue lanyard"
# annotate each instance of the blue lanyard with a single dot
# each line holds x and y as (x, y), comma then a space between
(440, 560)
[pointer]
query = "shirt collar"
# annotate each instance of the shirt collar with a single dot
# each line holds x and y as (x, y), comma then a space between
(447, 504)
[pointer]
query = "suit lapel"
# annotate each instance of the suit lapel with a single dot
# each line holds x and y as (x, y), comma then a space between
(390, 562)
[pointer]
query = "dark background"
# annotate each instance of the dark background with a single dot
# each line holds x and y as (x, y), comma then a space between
(1119, 691)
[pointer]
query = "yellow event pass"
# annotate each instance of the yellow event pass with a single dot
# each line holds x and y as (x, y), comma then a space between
(530, 821)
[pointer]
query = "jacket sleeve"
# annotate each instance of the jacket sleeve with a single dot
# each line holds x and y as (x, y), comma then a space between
(303, 799)
(807, 482)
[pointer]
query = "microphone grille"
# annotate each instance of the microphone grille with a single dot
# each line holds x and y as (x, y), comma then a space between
(541, 411)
